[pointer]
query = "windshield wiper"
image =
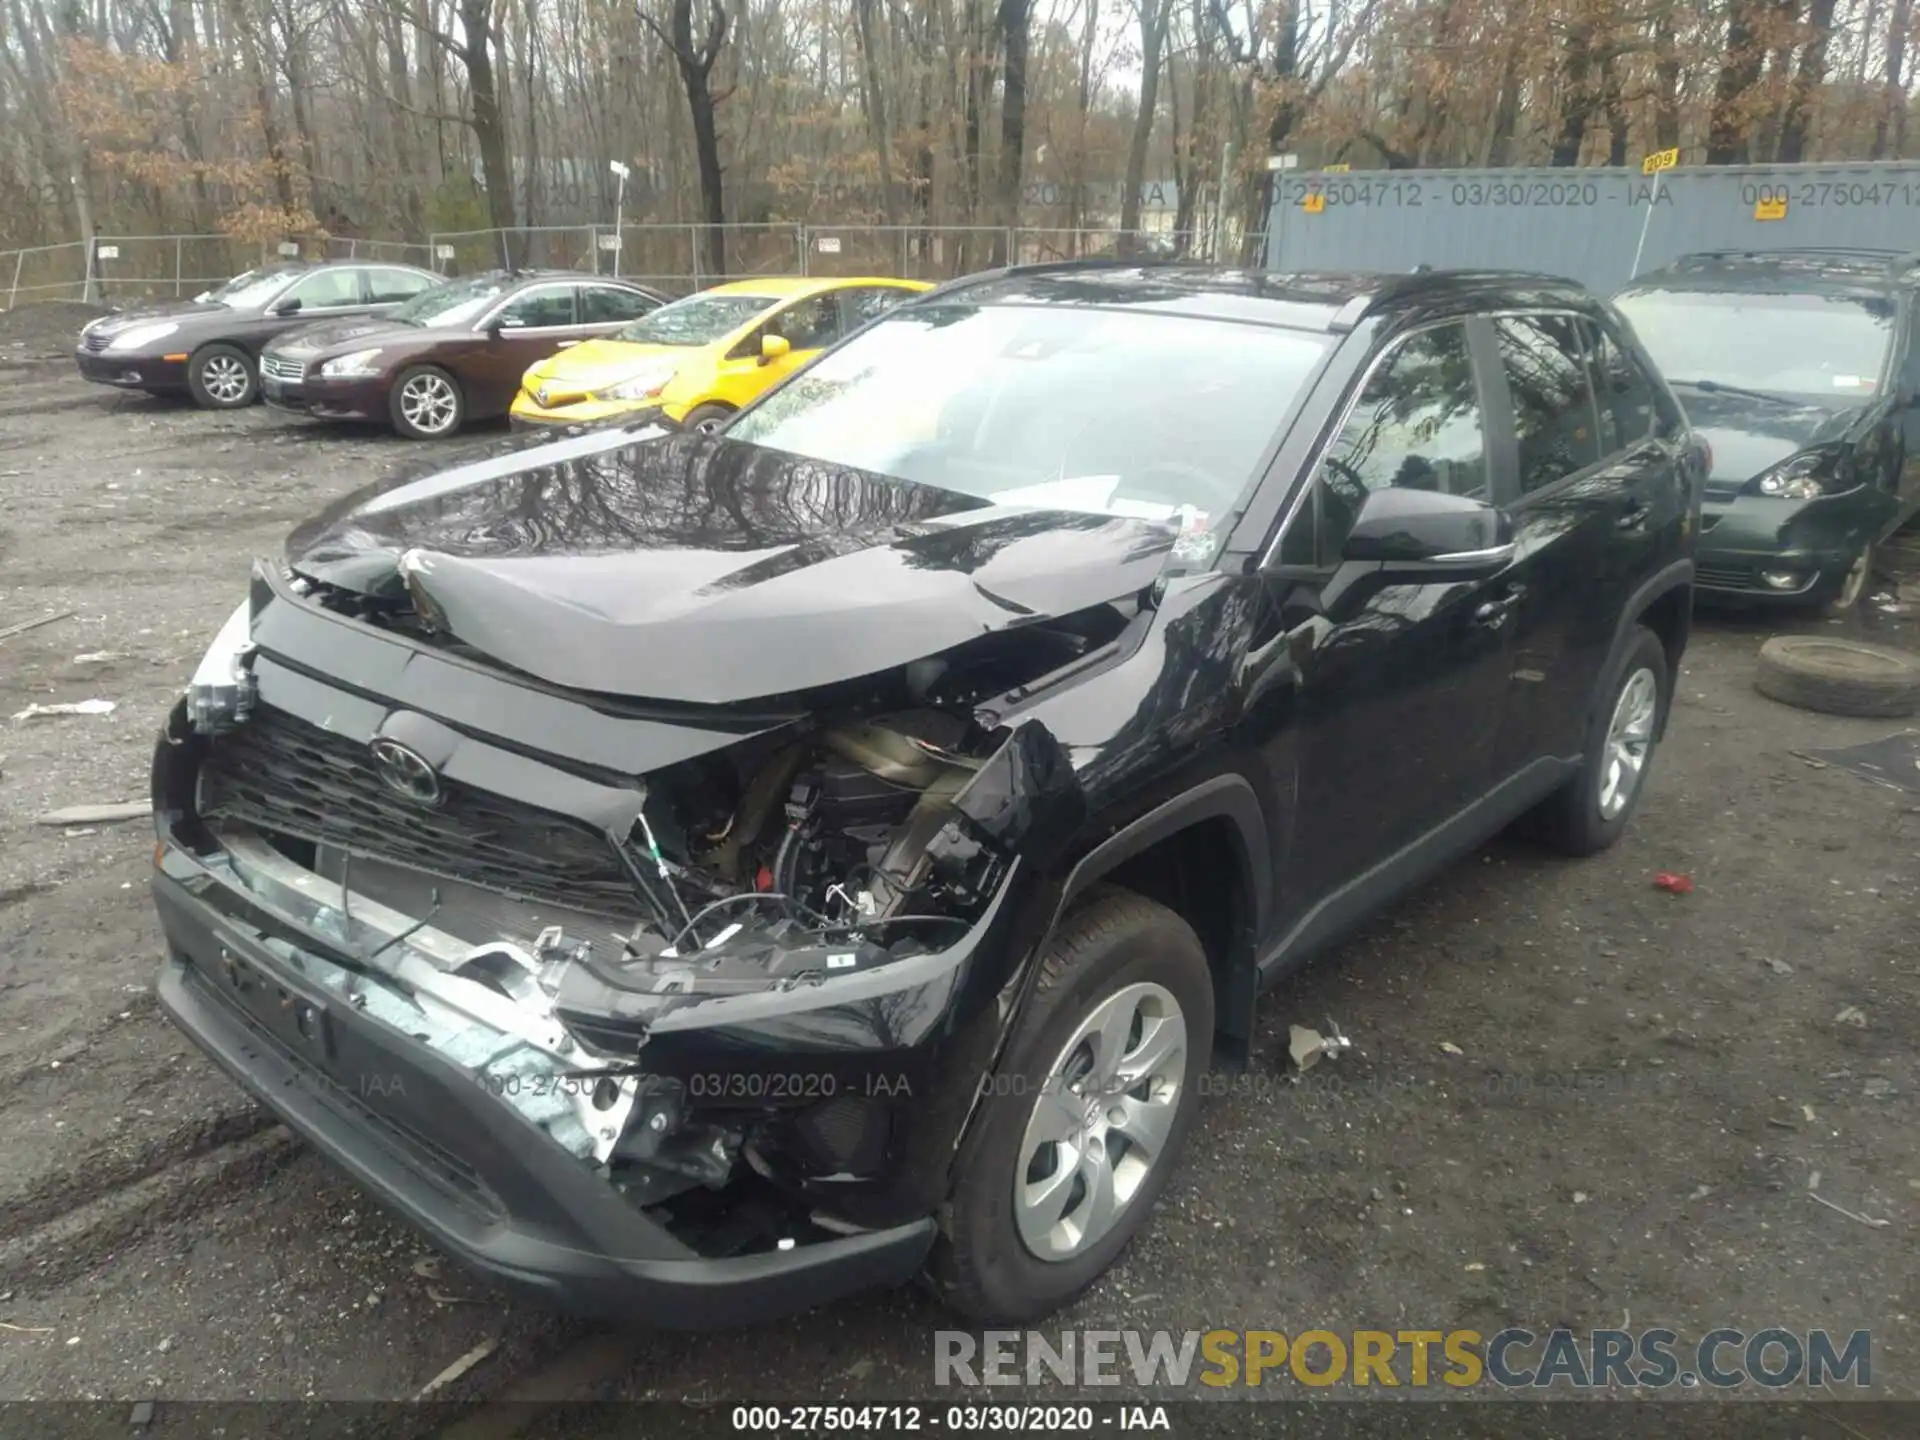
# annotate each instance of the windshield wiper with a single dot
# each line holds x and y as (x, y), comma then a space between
(1714, 387)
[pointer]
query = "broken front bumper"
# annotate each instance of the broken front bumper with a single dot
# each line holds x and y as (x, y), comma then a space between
(438, 1147)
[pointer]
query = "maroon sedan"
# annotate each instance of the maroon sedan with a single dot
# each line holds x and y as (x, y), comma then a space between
(453, 354)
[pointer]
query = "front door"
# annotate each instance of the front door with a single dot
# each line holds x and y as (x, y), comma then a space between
(808, 326)
(1395, 688)
(531, 326)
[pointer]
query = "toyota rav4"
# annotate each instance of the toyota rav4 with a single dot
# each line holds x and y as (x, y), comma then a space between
(694, 876)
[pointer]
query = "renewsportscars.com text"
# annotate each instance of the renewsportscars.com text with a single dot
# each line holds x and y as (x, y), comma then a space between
(1511, 1359)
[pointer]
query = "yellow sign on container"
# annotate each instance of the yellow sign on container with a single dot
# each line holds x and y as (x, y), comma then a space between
(1314, 203)
(1660, 160)
(1771, 209)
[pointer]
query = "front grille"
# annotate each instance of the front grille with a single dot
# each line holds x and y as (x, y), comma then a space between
(281, 774)
(1724, 577)
(282, 369)
(94, 341)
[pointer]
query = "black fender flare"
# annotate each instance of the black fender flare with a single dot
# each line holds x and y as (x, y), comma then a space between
(1663, 582)
(1229, 796)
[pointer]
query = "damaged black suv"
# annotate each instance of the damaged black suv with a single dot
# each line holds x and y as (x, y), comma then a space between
(695, 876)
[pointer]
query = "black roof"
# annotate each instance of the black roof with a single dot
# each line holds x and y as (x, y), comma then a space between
(1317, 300)
(1808, 267)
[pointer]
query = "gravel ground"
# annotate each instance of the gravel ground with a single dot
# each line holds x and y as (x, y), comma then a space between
(1574, 1098)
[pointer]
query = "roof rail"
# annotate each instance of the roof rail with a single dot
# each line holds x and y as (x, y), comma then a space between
(1893, 259)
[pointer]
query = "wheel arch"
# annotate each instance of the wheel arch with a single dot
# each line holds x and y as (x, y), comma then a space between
(1663, 603)
(1204, 853)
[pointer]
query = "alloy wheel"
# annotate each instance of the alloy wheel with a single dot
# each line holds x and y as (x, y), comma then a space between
(429, 404)
(1101, 1122)
(225, 378)
(1629, 742)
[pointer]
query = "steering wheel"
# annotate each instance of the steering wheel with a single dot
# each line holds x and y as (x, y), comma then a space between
(1213, 492)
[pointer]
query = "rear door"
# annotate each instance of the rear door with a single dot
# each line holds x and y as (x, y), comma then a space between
(605, 308)
(1599, 496)
(322, 296)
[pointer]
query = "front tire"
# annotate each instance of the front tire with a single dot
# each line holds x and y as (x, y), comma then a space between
(1587, 814)
(1844, 601)
(1081, 1127)
(427, 403)
(707, 418)
(222, 377)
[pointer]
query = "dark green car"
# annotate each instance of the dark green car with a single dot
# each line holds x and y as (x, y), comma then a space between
(1800, 371)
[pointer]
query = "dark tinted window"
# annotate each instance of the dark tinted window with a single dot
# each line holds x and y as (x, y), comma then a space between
(1623, 391)
(327, 289)
(1417, 425)
(870, 301)
(605, 304)
(549, 305)
(809, 325)
(387, 286)
(1553, 418)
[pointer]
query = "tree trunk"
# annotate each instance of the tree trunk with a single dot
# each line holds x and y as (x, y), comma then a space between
(1666, 87)
(1892, 121)
(489, 125)
(875, 99)
(1727, 127)
(1015, 20)
(1506, 111)
(696, 77)
(1577, 100)
(252, 55)
(1807, 83)
(1153, 34)
(1613, 102)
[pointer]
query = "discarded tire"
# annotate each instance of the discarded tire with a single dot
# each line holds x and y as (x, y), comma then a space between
(1839, 677)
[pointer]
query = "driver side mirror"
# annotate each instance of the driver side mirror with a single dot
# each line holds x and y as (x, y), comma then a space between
(772, 347)
(288, 306)
(1430, 532)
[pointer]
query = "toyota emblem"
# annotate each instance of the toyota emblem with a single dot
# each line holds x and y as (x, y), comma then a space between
(406, 773)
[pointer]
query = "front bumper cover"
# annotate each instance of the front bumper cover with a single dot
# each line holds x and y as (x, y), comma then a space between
(131, 371)
(1743, 535)
(443, 1152)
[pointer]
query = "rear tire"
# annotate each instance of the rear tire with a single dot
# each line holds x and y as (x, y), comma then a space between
(222, 377)
(707, 418)
(1587, 814)
(426, 403)
(1098, 1089)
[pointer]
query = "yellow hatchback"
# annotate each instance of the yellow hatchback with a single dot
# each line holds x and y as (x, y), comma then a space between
(701, 358)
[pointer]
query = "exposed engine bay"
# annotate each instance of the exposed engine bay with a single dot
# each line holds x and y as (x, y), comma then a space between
(817, 852)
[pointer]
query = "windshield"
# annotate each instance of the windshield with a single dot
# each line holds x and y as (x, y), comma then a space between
(1833, 346)
(458, 302)
(253, 287)
(1111, 411)
(696, 320)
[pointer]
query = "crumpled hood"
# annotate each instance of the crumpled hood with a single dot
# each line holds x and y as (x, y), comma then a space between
(635, 561)
(1749, 435)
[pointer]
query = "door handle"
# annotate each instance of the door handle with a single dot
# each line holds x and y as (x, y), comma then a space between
(1493, 613)
(568, 344)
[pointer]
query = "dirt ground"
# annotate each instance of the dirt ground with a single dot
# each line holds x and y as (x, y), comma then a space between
(1574, 1099)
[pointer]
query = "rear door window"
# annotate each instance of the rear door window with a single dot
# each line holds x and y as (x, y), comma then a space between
(612, 304)
(1623, 390)
(1554, 422)
(542, 309)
